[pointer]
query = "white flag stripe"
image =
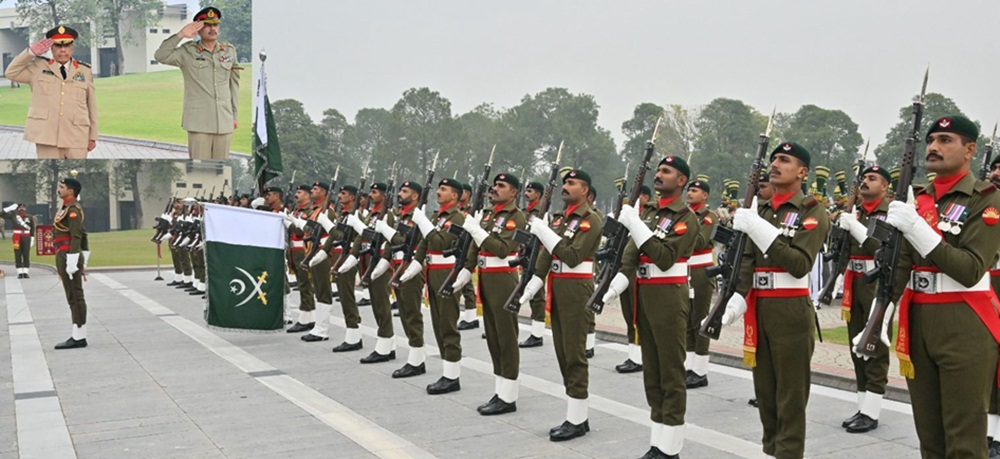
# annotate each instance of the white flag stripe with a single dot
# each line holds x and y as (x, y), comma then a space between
(239, 226)
(260, 115)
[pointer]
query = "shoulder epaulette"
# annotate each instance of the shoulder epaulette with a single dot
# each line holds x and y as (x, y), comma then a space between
(683, 212)
(917, 189)
(85, 64)
(986, 188)
(810, 202)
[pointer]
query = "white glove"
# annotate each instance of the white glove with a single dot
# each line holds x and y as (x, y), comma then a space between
(318, 258)
(463, 277)
(412, 270)
(291, 220)
(629, 217)
(354, 222)
(540, 227)
(473, 224)
(884, 337)
(380, 268)
(903, 216)
(33, 243)
(423, 223)
(86, 257)
(534, 285)
(166, 238)
(10, 208)
(735, 308)
(848, 222)
(325, 222)
(760, 231)
(71, 261)
(617, 286)
(258, 202)
(383, 228)
(349, 263)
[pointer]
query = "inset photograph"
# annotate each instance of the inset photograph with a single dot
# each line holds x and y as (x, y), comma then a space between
(149, 79)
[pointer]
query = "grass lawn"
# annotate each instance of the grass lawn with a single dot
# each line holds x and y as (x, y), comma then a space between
(140, 106)
(116, 248)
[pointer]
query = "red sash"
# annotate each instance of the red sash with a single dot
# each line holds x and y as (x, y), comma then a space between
(848, 298)
(750, 318)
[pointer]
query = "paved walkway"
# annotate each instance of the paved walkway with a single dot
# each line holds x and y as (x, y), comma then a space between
(154, 382)
(13, 146)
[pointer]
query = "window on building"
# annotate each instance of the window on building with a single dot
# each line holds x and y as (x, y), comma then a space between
(153, 62)
(196, 186)
(180, 185)
(166, 31)
(152, 30)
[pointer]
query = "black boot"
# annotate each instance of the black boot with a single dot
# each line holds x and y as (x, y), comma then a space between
(443, 386)
(409, 370)
(531, 341)
(72, 344)
(628, 366)
(569, 431)
(694, 380)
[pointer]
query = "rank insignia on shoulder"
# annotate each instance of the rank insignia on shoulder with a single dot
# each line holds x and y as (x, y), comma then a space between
(707, 221)
(585, 226)
(991, 216)
(810, 223)
(48, 72)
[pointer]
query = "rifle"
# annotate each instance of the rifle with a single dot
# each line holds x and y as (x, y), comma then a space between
(290, 194)
(311, 232)
(887, 256)
(532, 246)
(375, 239)
(460, 247)
(840, 250)
(984, 172)
(735, 243)
(617, 234)
(520, 196)
(411, 235)
(222, 192)
(163, 222)
(347, 233)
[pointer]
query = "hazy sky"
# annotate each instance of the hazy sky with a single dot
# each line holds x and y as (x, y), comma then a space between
(864, 57)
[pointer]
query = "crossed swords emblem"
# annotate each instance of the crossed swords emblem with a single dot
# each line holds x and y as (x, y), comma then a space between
(257, 284)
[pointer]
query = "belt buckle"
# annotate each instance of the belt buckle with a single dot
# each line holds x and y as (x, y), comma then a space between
(643, 271)
(556, 267)
(924, 282)
(763, 281)
(481, 262)
(858, 266)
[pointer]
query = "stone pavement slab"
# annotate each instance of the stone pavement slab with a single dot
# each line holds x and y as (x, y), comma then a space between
(13, 146)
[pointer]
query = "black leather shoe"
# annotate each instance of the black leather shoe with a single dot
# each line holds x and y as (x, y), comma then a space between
(531, 341)
(26, 276)
(694, 380)
(443, 386)
(497, 406)
(655, 453)
(753, 402)
(365, 302)
(851, 419)
(192, 288)
(197, 292)
(309, 338)
(293, 285)
(495, 397)
(174, 284)
(345, 347)
(463, 325)
(299, 328)
(484, 335)
(590, 353)
(375, 357)
(183, 285)
(394, 305)
(72, 344)
(409, 370)
(20, 275)
(994, 449)
(336, 294)
(569, 431)
(628, 366)
(863, 424)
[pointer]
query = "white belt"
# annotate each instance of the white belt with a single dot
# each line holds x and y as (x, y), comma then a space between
(433, 259)
(22, 231)
(768, 280)
(298, 244)
(398, 256)
(650, 271)
(698, 261)
(322, 240)
(861, 266)
(996, 267)
(930, 282)
(493, 262)
(559, 267)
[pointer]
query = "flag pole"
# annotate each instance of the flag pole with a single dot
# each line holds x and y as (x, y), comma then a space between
(260, 81)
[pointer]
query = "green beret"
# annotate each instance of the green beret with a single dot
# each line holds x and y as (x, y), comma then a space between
(678, 163)
(413, 186)
(380, 186)
(350, 189)
(996, 160)
(454, 184)
(793, 149)
(467, 187)
(646, 191)
(577, 174)
(509, 179)
(874, 168)
(955, 123)
(537, 186)
(274, 189)
(72, 184)
(304, 187)
(322, 185)
(701, 185)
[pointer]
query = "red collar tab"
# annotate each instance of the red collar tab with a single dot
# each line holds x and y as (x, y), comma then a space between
(942, 185)
(871, 206)
(778, 199)
(664, 202)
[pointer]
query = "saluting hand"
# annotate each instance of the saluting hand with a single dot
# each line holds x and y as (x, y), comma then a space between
(190, 30)
(41, 46)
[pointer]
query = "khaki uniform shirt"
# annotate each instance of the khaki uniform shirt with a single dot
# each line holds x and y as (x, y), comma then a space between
(63, 113)
(211, 83)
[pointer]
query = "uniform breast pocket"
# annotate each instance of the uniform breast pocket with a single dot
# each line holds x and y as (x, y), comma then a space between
(80, 91)
(46, 85)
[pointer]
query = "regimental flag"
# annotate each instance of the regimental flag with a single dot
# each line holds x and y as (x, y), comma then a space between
(267, 153)
(244, 258)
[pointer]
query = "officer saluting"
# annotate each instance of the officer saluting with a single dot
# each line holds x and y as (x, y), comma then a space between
(211, 84)
(70, 238)
(62, 117)
(948, 323)
(570, 239)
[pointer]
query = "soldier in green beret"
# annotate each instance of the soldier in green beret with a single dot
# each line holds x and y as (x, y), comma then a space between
(993, 424)
(211, 84)
(571, 238)
(533, 196)
(72, 253)
(702, 285)
(633, 363)
(786, 234)
(470, 318)
(409, 293)
(948, 325)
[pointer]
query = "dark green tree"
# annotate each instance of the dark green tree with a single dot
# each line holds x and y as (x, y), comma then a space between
(236, 25)
(890, 151)
(831, 137)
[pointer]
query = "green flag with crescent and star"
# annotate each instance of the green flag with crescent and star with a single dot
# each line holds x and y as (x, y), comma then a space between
(244, 259)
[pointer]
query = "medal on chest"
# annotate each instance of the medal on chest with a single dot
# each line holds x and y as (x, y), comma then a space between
(952, 219)
(789, 224)
(571, 227)
(498, 224)
(663, 227)
(79, 77)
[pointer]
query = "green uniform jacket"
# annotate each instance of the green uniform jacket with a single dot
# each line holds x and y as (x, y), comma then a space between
(69, 223)
(675, 230)
(361, 243)
(439, 239)
(581, 233)
(500, 243)
(211, 83)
